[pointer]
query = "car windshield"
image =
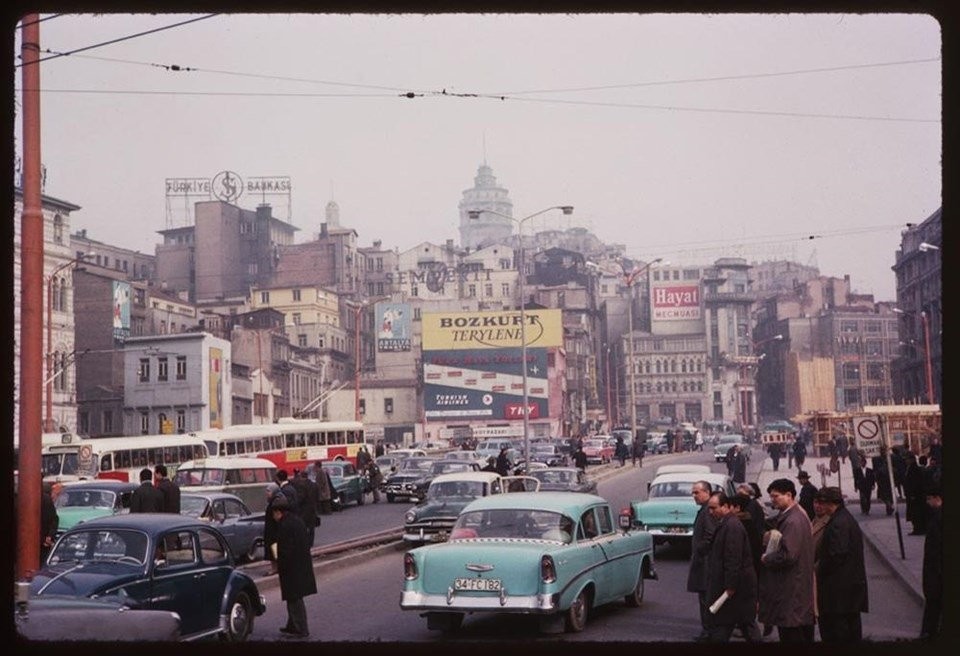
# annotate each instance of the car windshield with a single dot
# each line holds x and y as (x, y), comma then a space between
(412, 465)
(553, 477)
(385, 461)
(513, 523)
(730, 439)
(544, 448)
(671, 489)
(595, 443)
(449, 467)
(192, 506)
(87, 498)
(335, 471)
(461, 489)
(108, 544)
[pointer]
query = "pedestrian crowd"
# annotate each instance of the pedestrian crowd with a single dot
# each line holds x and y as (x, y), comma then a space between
(802, 570)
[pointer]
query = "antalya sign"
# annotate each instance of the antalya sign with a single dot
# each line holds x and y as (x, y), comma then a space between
(227, 186)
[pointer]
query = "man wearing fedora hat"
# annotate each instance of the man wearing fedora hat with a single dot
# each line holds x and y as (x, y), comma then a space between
(807, 490)
(840, 571)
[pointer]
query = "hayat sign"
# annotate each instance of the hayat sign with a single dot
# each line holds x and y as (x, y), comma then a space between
(676, 303)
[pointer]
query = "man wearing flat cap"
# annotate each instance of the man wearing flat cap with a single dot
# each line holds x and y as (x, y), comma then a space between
(807, 490)
(841, 575)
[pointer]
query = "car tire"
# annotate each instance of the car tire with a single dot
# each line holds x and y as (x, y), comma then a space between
(239, 619)
(390, 498)
(575, 620)
(256, 551)
(635, 598)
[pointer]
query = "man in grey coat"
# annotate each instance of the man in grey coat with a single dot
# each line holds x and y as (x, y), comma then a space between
(841, 575)
(703, 528)
(786, 574)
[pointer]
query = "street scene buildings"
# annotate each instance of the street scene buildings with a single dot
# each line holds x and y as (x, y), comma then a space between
(240, 316)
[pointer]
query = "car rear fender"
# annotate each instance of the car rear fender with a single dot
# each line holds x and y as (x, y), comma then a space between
(240, 582)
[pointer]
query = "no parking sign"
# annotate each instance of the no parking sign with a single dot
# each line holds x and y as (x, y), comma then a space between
(866, 433)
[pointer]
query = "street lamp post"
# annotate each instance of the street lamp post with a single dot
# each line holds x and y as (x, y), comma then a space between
(926, 349)
(48, 417)
(609, 407)
(475, 214)
(630, 278)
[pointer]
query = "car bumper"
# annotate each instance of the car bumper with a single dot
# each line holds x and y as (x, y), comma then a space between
(421, 535)
(503, 603)
(663, 534)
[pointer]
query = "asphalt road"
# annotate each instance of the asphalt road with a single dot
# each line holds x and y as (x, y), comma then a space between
(360, 602)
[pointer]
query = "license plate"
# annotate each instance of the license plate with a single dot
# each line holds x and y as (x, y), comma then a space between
(481, 585)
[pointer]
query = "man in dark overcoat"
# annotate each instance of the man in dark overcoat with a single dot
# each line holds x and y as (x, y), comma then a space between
(913, 488)
(841, 575)
(704, 526)
(146, 498)
(294, 566)
(170, 490)
(786, 575)
(807, 490)
(730, 570)
(308, 499)
(738, 467)
(933, 566)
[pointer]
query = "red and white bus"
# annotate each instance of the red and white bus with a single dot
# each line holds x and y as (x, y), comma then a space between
(121, 458)
(290, 443)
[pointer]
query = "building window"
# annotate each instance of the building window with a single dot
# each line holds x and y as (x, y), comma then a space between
(851, 396)
(414, 290)
(505, 289)
(320, 341)
(163, 327)
(416, 314)
(363, 407)
(264, 297)
(296, 318)
(162, 368)
(691, 274)
(848, 326)
(471, 290)
(143, 370)
(488, 290)
(260, 404)
(301, 340)
(388, 405)
(181, 421)
(106, 423)
(57, 229)
(851, 371)
(874, 347)
(181, 367)
(875, 371)
(144, 423)
(296, 294)
(83, 422)
(379, 289)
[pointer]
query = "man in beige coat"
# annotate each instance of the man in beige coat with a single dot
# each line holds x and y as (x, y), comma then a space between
(787, 573)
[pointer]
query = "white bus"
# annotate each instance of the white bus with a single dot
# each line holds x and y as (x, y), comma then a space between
(122, 458)
(246, 478)
(289, 444)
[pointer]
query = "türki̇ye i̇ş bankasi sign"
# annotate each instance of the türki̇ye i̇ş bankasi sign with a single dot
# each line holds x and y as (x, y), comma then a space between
(473, 363)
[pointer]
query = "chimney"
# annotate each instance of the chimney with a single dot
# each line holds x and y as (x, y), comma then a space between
(264, 211)
(377, 243)
(323, 230)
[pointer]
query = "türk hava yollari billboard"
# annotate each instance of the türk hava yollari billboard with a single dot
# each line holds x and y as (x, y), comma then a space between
(473, 363)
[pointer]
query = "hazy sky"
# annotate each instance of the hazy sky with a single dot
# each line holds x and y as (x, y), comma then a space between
(682, 136)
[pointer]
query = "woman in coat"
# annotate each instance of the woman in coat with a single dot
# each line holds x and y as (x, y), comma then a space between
(730, 570)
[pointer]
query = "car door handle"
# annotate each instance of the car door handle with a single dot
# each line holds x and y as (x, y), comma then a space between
(199, 577)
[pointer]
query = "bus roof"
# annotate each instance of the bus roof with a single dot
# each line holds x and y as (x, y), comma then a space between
(232, 462)
(142, 441)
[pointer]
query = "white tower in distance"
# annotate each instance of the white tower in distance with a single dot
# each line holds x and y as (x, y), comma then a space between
(485, 195)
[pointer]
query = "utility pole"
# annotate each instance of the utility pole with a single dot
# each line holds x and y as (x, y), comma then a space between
(31, 313)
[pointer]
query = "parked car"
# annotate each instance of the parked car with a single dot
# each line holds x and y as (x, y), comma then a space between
(432, 519)
(625, 433)
(438, 467)
(726, 442)
(553, 554)
(402, 484)
(231, 516)
(388, 462)
(669, 511)
(548, 453)
(465, 456)
(409, 453)
(489, 448)
(598, 450)
(83, 501)
(60, 619)
(779, 426)
(155, 561)
(564, 479)
(673, 469)
(657, 443)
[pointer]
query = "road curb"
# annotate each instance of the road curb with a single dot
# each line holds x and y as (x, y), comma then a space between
(271, 581)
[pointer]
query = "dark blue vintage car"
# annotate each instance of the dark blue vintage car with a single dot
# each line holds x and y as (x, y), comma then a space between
(229, 515)
(155, 561)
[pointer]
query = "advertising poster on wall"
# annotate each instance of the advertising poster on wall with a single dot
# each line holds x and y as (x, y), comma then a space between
(216, 388)
(121, 311)
(393, 327)
(473, 364)
(675, 303)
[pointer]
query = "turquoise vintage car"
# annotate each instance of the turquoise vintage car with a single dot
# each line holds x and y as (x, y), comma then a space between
(350, 484)
(552, 554)
(669, 511)
(86, 500)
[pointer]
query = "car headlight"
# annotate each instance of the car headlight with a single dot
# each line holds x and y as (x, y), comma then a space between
(410, 517)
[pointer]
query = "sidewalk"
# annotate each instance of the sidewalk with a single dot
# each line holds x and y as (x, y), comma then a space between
(879, 529)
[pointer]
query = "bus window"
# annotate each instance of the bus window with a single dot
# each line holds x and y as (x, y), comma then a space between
(199, 452)
(301, 439)
(171, 455)
(211, 446)
(213, 477)
(234, 476)
(247, 476)
(106, 462)
(155, 456)
(311, 439)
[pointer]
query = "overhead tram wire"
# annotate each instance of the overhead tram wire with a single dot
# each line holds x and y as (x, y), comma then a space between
(123, 38)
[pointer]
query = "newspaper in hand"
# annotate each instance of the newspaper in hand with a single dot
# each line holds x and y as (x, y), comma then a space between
(273, 549)
(715, 606)
(773, 545)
